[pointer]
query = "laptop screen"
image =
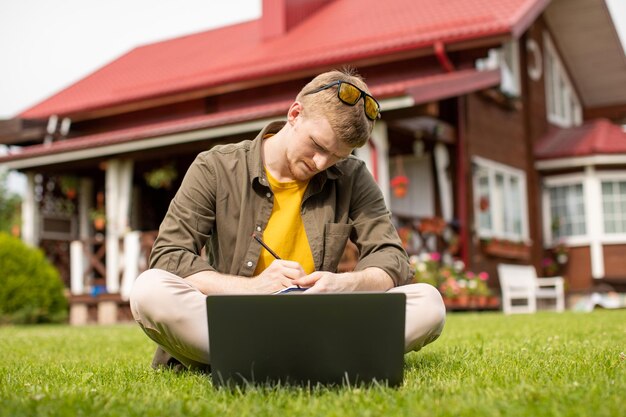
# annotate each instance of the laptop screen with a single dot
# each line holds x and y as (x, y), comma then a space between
(307, 338)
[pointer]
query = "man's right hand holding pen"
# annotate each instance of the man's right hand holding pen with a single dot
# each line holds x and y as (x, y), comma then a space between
(279, 268)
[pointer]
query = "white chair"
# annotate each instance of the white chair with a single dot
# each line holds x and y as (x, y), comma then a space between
(520, 282)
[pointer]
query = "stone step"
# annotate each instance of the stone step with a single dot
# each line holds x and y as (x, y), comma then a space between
(101, 309)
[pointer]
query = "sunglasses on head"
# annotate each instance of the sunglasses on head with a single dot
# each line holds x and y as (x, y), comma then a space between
(350, 94)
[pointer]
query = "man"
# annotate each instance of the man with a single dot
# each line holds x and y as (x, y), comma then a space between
(298, 188)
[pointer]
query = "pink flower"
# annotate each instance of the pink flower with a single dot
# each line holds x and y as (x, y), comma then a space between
(470, 275)
(483, 276)
(435, 256)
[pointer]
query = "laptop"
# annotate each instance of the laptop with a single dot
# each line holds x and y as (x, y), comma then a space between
(307, 339)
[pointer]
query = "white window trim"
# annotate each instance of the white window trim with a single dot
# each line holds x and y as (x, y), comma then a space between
(558, 71)
(493, 166)
(561, 181)
(595, 237)
(611, 238)
(593, 178)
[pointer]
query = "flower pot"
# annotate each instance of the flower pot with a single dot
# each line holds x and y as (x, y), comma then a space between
(70, 193)
(433, 225)
(493, 301)
(507, 249)
(463, 300)
(450, 302)
(99, 223)
(481, 301)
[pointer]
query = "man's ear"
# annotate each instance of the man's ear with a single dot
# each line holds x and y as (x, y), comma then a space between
(294, 112)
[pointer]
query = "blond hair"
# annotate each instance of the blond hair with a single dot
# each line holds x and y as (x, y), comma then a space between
(349, 123)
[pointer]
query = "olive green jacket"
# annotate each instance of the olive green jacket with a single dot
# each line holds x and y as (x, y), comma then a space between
(225, 197)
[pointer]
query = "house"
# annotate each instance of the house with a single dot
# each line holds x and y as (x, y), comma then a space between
(497, 139)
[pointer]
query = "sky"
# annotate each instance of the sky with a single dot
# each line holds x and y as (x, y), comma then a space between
(47, 45)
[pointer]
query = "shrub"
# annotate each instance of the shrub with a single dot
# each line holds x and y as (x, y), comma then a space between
(31, 290)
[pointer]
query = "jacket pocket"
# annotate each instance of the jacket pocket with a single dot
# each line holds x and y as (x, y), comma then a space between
(335, 238)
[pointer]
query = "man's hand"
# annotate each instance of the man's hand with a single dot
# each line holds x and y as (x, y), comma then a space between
(280, 274)
(370, 279)
(322, 281)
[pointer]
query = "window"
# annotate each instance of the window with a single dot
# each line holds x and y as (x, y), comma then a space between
(500, 200)
(567, 211)
(563, 106)
(614, 206)
(507, 59)
(585, 208)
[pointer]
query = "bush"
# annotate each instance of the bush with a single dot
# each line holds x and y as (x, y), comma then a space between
(31, 290)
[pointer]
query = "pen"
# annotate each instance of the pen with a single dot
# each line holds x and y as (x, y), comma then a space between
(267, 248)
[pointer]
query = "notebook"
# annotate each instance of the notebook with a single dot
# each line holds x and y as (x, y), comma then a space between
(306, 339)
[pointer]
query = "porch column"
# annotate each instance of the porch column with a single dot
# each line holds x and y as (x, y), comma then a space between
(381, 145)
(85, 204)
(442, 162)
(593, 219)
(30, 213)
(85, 199)
(118, 184)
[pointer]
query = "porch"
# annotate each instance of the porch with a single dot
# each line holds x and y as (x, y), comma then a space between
(91, 299)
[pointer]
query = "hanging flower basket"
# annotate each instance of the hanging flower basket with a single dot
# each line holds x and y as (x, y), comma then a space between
(69, 186)
(98, 217)
(400, 185)
(162, 177)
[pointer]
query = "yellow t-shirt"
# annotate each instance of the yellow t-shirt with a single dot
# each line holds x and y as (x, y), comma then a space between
(285, 232)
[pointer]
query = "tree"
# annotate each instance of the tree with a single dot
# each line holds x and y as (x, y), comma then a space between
(9, 206)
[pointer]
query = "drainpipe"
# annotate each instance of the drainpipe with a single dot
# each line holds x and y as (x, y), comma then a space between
(442, 57)
(461, 178)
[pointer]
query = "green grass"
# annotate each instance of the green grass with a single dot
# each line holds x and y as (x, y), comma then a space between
(483, 365)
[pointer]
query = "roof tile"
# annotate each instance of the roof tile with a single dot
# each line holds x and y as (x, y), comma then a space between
(592, 138)
(342, 31)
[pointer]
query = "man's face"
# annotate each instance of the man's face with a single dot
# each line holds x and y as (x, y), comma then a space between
(313, 147)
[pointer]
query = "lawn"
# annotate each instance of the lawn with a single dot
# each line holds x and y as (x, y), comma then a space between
(485, 364)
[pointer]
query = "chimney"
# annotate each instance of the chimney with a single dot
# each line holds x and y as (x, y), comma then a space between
(279, 16)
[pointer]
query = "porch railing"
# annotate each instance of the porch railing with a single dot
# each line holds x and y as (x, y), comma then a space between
(88, 263)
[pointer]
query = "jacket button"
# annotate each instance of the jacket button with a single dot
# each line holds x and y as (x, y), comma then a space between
(258, 228)
(249, 263)
(268, 195)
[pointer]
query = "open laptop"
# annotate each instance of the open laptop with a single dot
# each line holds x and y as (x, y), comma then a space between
(305, 339)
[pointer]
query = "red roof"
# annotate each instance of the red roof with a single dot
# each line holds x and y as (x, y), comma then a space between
(342, 31)
(421, 88)
(593, 138)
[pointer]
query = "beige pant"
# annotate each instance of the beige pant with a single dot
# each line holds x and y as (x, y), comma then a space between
(173, 314)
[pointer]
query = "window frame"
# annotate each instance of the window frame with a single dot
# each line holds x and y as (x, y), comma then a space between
(587, 181)
(611, 176)
(499, 230)
(559, 90)
(563, 181)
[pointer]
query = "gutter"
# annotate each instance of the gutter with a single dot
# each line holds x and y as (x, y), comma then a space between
(461, 178)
